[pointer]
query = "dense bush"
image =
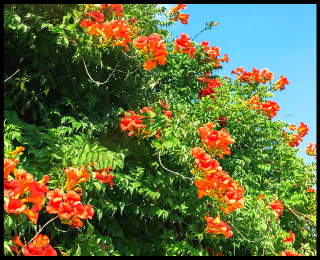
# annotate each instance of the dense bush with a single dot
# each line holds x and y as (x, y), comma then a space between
(128, 137)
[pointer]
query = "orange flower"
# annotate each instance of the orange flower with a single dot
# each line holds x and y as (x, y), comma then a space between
(85, 23)
(290, 238)
(68, 207)
(176, 8)
(292, 127)
(11, 188)
(311, 190)
(153, 48)
(184, 45)
(289, 253)
(39, 247)
(14, 206)
(215, 142)
(117, 8)
(215, 226)
(75, 176)
(277, 207)
(99, 17)
(303, 129)
(104, 176)
(18, 150)
(9, 166)
(17, 243)
(254, 102)
(280, 83)
(133, 123)
(312, 150)
(183, 18)
(32, 214)
(269, 108)
(254, 76)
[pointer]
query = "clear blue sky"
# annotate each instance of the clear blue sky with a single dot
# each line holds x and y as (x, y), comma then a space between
(280, 37)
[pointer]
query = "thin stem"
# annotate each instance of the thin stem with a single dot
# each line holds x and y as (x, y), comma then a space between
(11, 75)
(177, 173)
(41, 228)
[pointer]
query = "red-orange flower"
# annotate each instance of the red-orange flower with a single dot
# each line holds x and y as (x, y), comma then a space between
(32, 214)
(117, 8)
(269, 108)
(153, 48)
(253, 76)
(68, 207)
(215, 226)
(104, 176)
(292, 127)
(312, 150)
(99, 17)
(311, 190)
(176, 8)
(303, 129)
(277, 206)
(216, 142)
(39, 247)
(133, 124)
(17, 150)
(17, 243)
(14, 206)
(9, 166)
(280, 83)
(288, 252)
(11, 188)
(184, 45)
(85, 23)
(254, 102)
(290, 238)
(75, 176)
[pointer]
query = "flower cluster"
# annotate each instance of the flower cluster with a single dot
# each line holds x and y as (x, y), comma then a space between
(103, 175)
(212, 181)
(184, 45)
(312, 150)
(38, 247)
(290, 238)
(268, 108)
(311, 190)
(68, 207)
(280, 83)
(176, 15)
(288, 252)
(116, 32)
(23, 189)
(213, 54)
(153, 48)
(254, 76)
(293, 139)
(209, 86)
(262, 76)
(132, 122)
(277, 206)
(215, 142)
(215, 226)
(75, 176)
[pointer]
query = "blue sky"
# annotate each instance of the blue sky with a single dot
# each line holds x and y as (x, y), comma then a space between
(280, 37)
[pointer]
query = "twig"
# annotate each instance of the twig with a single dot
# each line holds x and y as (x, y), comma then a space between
(41, 228)
(11, 75)
(305, 218)
(245, 238)
(99, 83)
(177, 173)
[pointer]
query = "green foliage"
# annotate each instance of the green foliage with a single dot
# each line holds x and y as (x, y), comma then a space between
(63, 118)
